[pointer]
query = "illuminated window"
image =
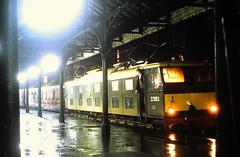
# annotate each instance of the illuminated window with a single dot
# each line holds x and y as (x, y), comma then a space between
(115, 102)
(80, 89)
(45, 79)
(114, 85)
(88, 88)
(70, 90)
(97, 87)
(173, 75)
(129, 84)
(45, 96)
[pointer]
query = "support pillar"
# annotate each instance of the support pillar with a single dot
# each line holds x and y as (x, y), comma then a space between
(62, 104)
(39, 95)
(105, 122)
(9, 88)
(227, 66)
(104, 44)
(27, 96)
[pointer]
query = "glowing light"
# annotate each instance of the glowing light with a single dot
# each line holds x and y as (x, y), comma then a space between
(213, 149)
(171, 149)
(172, 137)
(50, 15)
(214, 108)
(33, 72)
(22, 77)
(171, 110)
(50, 63)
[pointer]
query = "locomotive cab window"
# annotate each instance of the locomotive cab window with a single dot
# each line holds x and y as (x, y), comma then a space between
(173, 75)
(203, 74)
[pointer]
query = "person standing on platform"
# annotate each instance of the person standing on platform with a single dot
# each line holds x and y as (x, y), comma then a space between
(140, 90)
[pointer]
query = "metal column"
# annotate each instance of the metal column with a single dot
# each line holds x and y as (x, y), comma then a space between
(104, 45)
(226, 53)
(62, 105)
(27, 96)
(39, 95)
(9, 88)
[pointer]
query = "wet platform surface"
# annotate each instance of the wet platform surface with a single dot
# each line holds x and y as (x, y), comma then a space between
(46, 137)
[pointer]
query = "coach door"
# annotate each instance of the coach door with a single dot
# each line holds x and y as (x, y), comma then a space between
(154, 93)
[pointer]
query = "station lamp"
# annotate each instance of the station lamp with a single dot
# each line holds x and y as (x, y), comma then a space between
(22, 77)
(49, 63)
(48, 16)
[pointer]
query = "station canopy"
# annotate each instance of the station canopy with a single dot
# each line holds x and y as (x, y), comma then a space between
(127, 21)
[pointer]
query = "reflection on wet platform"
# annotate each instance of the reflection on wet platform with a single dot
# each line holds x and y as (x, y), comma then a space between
(46, 137)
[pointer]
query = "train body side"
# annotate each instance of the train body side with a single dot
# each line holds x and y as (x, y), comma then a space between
(169, 89)
(50, 97)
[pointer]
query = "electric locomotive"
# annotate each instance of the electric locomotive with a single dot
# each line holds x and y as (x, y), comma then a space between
(177, 95)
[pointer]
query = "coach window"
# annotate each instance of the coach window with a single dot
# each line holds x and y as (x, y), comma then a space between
(89, 101)
(53, 95)
(80, 102)
(129, 103)
(70, 90)
(45, 96)
(79, 89)
(115, 102)
(97, 88)
(129, 84)
(71, 101)
(88, 88)
(97, 102)
(114, 85)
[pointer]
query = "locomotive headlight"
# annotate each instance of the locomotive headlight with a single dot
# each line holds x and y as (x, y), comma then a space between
(171, 110)
(214, 108)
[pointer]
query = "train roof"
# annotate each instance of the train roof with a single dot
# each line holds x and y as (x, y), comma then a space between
(129, 71)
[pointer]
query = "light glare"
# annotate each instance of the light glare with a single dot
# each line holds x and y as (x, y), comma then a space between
(50, 15)
(50, 63)
(22, 77)
(33, 72)
(171, 110)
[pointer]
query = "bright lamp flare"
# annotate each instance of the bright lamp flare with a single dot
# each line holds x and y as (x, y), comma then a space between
(50, 63)
(33, 72)
(213, 108)
(50, 15)
(22, 77)
(171, 110)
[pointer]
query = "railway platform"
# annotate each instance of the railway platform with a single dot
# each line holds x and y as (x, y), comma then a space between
(46, 137)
